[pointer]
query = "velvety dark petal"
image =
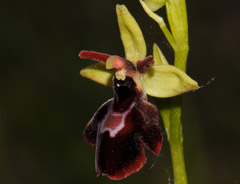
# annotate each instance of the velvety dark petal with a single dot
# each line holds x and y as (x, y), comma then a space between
(120, 156)
(147, 115)
(90, 131)
(143, 65)
(95, 56)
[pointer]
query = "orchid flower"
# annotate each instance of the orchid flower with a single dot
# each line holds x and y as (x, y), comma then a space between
(125, 124)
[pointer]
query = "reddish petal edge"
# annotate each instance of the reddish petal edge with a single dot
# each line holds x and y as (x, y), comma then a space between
(92, 55)
(133, 167)
(157, 149)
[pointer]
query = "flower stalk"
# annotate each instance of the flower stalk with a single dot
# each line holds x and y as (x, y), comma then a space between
(181, 54)
(176, 142)
(177, 18)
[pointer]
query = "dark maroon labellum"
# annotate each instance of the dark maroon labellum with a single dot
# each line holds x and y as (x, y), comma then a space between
(122, 127)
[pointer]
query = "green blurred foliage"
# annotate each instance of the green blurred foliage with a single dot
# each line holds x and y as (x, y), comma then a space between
(45, 103)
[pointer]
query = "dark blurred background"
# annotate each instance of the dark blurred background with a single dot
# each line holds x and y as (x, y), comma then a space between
(45, 103)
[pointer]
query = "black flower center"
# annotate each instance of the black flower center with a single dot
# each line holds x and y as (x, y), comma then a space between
(125, 93)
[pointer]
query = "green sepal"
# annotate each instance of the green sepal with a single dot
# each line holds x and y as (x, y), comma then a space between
(165, 81)
(99, 74)
(158, 56)
(131, 35)
(154, 5)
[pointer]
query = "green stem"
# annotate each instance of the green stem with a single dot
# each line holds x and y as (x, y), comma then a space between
(177, 17)
(181, 58)
(176, 145)
(170, 109)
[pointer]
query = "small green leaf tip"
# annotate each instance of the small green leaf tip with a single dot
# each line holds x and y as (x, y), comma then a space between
(99, 74)
(131, 35)
(154, 5)
(165, 81)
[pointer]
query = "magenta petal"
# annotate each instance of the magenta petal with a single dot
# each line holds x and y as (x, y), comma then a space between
(90, 131)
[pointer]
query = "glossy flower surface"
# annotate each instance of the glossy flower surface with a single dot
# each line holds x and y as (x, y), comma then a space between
(124, 125)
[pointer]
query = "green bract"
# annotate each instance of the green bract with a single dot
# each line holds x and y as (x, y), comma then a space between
(161, 80)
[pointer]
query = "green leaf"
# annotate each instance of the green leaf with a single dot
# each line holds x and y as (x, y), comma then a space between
(154, 5)
(99, 74)
(165, 81)
(158, 56)
(131, 35)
